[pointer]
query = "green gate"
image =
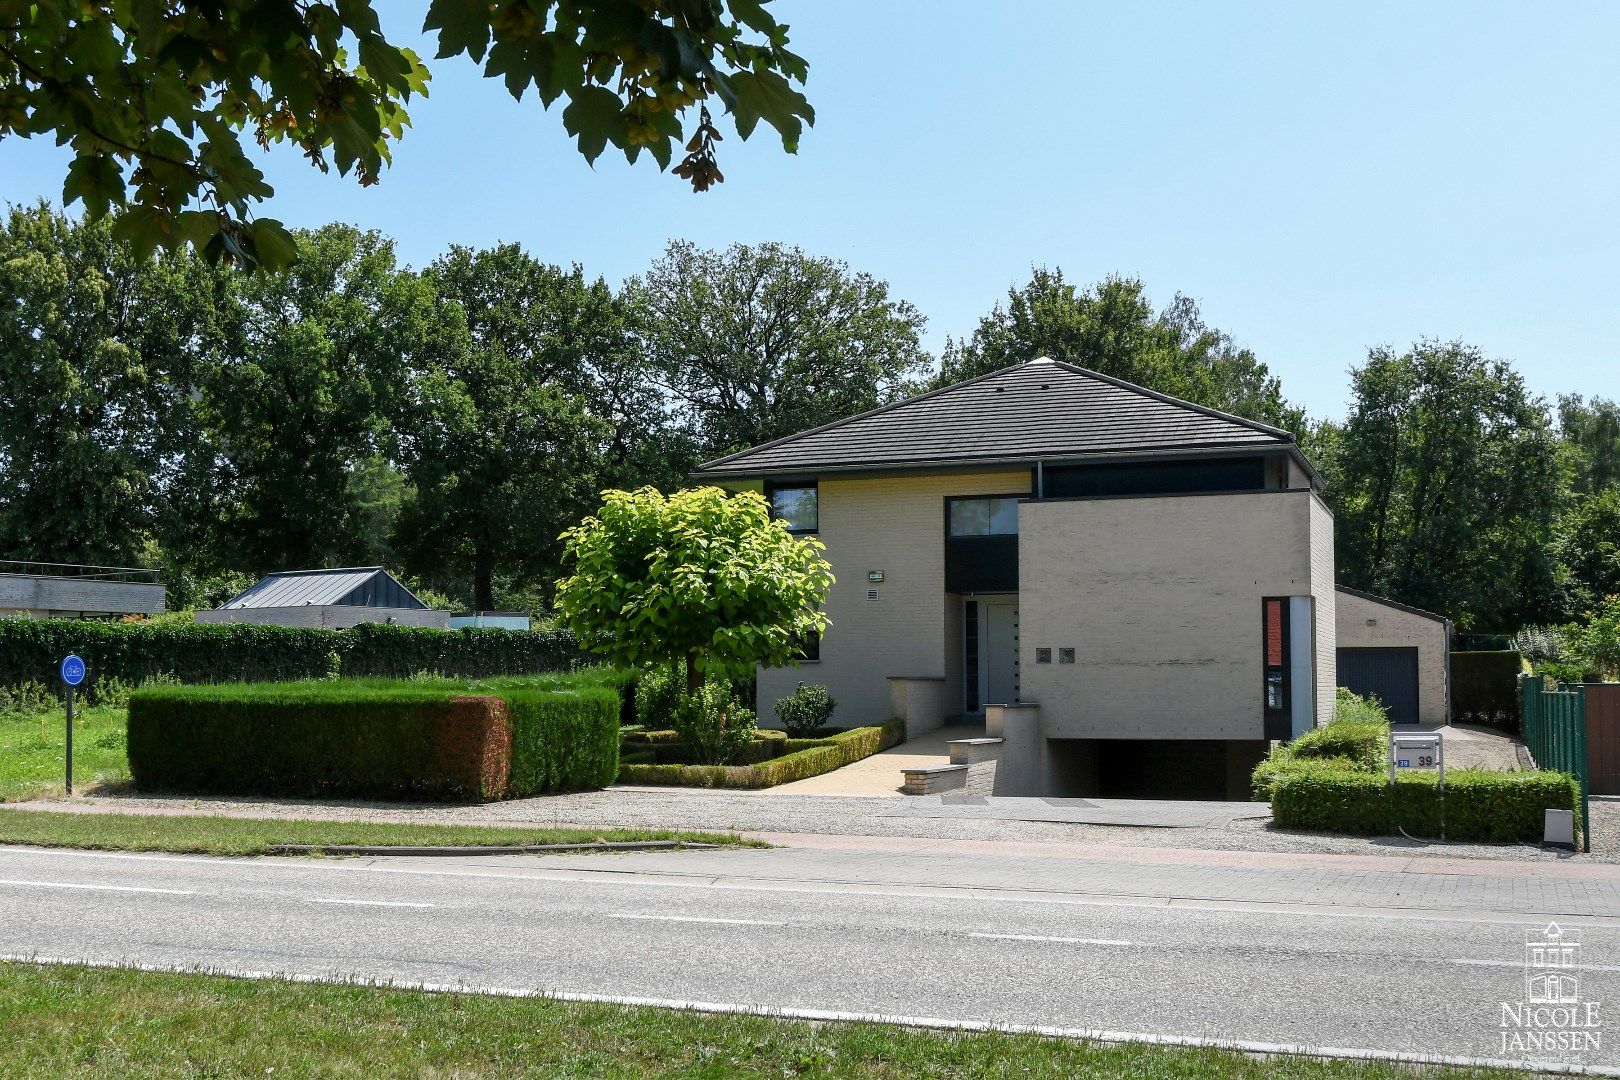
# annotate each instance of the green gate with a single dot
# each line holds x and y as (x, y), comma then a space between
(1555, 732)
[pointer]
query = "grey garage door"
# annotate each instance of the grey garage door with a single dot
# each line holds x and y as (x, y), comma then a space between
(1390, 675)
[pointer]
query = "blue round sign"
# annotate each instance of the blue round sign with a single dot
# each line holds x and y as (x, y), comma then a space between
(72, 670)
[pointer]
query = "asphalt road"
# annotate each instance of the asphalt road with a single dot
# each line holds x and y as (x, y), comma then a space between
(1257, 949)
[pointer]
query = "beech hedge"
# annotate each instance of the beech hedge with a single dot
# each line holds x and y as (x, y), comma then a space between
(1476, 804)
(804, 758)
(31, 649)
(430, 739)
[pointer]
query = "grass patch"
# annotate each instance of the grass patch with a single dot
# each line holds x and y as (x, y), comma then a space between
(32, 751)
(89, 1022)
(255, 836)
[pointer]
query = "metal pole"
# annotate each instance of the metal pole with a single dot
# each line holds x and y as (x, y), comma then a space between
(70, 739)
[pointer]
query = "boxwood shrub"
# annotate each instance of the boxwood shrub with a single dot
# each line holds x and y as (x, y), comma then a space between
(804, 758)
(368, 738)
(1476, 804)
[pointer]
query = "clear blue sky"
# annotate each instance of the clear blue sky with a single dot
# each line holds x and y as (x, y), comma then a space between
(1321, 178)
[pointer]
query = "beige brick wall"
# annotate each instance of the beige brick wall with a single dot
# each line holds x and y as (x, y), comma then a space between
(1393, 628)
(1162, 599)
(1326, 598)
(896, 525)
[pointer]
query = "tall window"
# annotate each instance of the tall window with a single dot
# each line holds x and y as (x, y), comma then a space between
(1275, 609)
(795, 504)
(984, 517)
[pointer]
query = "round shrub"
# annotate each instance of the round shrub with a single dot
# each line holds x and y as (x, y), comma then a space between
(806, 710)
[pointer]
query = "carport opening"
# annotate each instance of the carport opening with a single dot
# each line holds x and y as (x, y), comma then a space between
(1207, 769)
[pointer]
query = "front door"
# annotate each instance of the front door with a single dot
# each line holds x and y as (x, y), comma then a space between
(998, 627)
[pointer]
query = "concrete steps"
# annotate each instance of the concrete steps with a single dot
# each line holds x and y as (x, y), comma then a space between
(972, 770)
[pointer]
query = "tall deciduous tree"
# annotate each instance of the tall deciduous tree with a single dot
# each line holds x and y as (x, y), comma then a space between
(1112, 328)
(297, 402)
(759, 342)
(1591, 431)
(156, 98)
(98, 354)
(498, 435)
(1446, 486)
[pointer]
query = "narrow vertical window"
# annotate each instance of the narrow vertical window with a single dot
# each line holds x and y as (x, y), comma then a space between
(970, 656)
(1278, 724)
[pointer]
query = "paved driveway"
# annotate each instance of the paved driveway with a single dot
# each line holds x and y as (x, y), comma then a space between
(880, 774)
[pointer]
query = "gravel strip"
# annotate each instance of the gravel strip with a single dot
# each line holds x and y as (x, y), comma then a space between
(838, 815)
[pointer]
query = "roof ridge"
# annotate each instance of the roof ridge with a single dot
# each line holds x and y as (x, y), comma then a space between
(1171, 399)
(936, 392)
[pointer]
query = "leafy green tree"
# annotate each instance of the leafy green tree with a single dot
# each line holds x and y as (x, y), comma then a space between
(1591, 431)
(498, 437)
(1112, 328)
(297, 401)
(1589, 548)
(759, 342)
(1445, 483)
(701, 578)
(98, 352)
(156, 98)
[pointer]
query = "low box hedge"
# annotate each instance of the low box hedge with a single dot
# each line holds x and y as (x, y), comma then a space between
(391, 739)
(804, 758)
(1475, 804)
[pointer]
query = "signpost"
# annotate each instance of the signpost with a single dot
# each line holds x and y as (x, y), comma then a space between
(72, 676)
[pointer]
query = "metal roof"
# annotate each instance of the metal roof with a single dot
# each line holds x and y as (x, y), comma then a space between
(354, 586)
(1042, 410)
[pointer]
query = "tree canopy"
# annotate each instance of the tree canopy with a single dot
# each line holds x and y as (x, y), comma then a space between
(701, 577)
(1112, 328)
(156, 99)
(759, 342)
(1444, 484)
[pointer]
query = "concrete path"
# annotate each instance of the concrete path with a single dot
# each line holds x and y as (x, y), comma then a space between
(880, 774)
(1262, 950)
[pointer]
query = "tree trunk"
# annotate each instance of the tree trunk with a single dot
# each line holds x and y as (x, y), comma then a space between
(483, 580)
(694, 677)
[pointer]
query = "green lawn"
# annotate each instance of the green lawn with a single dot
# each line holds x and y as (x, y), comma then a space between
(87, 1022)
(31, 752)
(255, 836)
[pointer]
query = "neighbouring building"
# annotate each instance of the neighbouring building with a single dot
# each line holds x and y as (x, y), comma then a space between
(1397, 653)
(1136, 593)
(333, 599)
(48, 590)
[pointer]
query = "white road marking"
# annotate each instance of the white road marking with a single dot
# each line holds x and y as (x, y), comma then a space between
(961, 892)
(1520, 964)
(692, 918)
(97, 888)
(368, 903)
(828, 1015)
(1064, 940)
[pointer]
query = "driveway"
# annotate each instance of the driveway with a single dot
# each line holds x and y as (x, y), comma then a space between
(880, 774)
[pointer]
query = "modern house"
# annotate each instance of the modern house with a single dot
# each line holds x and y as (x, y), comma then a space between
(1397, 653)
(1134, 592)
(49, 590)
(333, 599)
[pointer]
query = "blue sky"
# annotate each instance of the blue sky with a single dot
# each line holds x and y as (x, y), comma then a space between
(1321, 178)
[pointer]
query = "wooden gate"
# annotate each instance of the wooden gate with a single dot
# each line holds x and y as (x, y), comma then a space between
(1603, 737)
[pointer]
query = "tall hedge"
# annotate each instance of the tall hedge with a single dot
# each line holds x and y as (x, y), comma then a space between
(1485, 688)
(31, 649)
(308, 739)
(430, 739)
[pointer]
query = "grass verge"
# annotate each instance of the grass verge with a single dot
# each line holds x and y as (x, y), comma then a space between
(32, 751)
(92, 1022)
(254, 836)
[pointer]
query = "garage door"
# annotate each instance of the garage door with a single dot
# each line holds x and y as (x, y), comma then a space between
(1390, 675)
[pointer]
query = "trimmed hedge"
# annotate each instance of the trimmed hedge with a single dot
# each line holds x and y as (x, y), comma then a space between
(805, 758)
(1476, 804)
(1485, 689)
(430, 739)
(667, 748)
(31, 649)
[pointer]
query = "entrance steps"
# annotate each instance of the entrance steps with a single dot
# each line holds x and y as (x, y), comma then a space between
(972, 770)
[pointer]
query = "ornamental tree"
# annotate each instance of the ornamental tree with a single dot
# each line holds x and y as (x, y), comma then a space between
(702, 578)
